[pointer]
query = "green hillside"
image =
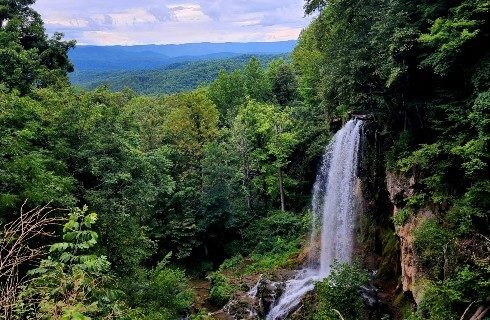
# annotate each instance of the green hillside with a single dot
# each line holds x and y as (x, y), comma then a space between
(177, 77)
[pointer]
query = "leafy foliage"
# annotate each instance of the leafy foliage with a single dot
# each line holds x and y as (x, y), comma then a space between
(221, 171)
(164, 294)
(29, 58)
(341, 291)
(221, 289)
(72, 282)
(420, 70)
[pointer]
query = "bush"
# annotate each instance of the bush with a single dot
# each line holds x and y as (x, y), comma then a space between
(470, 211)
(282, 254)
(448, 299)
(401, 217)
(164, 294)
(438, 302)
(169, 288)
(399, 149)
(72, 282)
(221, 289)
(263, 235)
(231, 262)
(432, 245)
(341, 291)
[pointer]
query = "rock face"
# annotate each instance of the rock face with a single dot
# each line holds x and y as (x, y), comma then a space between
(267, 293)
(242, 306)
(253, 306)
(400, 188)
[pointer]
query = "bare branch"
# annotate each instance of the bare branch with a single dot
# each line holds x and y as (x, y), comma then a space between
(466, 311)
(338, 312)
(19, 248)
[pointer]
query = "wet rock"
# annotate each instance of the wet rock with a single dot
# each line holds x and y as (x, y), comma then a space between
(256, 303)
(242, 306)
(370, 292)
(267, 293)
(310, 254)
(399, 188)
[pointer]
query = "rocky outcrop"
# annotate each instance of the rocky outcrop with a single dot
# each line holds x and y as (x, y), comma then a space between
(242, 306)
(255, 304)
(267, 293)
(400, 188)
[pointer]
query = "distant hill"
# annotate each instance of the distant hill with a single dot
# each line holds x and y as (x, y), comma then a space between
(172, 78)
(120, 58)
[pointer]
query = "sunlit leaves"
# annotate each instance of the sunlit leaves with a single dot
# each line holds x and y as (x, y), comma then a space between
(449, 37)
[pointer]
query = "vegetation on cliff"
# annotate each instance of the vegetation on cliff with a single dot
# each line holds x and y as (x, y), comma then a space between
(221, 175)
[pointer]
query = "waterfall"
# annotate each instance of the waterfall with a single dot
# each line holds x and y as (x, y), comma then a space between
(333, 219)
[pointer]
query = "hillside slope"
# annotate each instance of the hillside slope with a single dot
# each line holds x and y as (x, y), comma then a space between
(176, 77)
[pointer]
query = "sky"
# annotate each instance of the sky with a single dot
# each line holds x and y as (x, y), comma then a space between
(128, 22)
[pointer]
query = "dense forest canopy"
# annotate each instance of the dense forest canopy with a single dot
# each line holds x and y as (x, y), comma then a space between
(132, 198)
(184, 75)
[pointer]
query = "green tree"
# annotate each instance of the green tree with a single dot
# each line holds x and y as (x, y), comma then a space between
(29, 168)
(268, 140)
(191, 123)
(341, 293)
(256, 85)
(29, 58)
(283, 82)
(228, 94)
(163, 294)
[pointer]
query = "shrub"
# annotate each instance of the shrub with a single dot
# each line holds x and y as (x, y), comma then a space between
(72, 282)
(399, 149)
(432, 245)
(163, 294)
(470, 211)
(448, 299)
(221, 289)
(438, 302)
(265, 232)
(231, 263)
(169, 289)
(401, 217)
(341, 291)
(281, 254)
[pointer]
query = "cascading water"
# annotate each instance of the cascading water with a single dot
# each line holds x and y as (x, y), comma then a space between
(334, 214)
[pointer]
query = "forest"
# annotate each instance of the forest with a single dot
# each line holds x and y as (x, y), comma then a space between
(118, 205)
(176, 77)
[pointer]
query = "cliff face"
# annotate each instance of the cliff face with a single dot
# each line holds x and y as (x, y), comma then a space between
(401, 187)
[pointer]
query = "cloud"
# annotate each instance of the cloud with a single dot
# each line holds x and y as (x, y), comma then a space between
(173, 21)
(162, 13)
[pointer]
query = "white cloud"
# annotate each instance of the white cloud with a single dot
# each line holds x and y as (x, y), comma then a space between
(173, 21)
(189, 13)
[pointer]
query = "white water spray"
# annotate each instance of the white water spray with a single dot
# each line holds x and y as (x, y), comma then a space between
(334, 215)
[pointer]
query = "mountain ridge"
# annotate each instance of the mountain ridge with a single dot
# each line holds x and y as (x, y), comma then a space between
(120, 58)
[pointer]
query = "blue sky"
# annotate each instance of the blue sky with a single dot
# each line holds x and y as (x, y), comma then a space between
(108, 22)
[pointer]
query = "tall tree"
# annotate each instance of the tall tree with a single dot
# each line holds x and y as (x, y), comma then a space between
(29, 58)
(269, 140)
(256, 85)
(283, 82)
(228, 93)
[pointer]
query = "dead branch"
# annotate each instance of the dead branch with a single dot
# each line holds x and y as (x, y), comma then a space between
(338, 313)
(18, 248)
(466, 310)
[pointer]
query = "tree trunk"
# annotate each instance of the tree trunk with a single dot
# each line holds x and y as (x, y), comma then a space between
(246, 183)
(281, 190)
